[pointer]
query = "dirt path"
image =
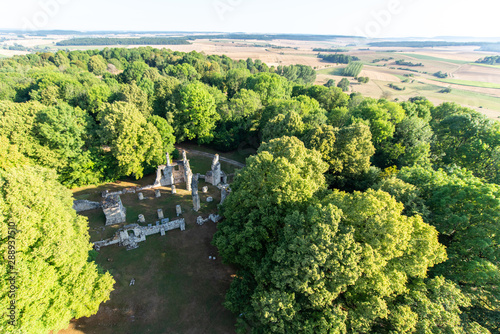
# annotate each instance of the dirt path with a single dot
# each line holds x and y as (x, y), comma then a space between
(209, 155)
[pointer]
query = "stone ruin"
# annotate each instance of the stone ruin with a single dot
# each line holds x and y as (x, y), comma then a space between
(194, 193)
(167, 175)
(129, 236)
(188, 174)
(84, 205)
(224, 191)
(173, 173)
(200, 220)
(114, 210)
(215, 175)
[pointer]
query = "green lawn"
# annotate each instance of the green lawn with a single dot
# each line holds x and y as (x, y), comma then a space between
(469, 83)
(178, 289)
(332, 70)
(238, 155)
(425, 57)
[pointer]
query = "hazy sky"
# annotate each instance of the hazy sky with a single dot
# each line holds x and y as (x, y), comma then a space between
(371, 18)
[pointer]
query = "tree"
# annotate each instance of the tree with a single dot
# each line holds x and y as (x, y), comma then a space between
(328, 97)
(382, 116)
(196, 115)
(164, 97)
(134, 71)
(236, 80)
(470, 140)
(465, 210)
(282, 176)
(243, 105)
(131, 93)
(318, 262)
(166, 132)
(344, 84)
(307, 108)
(415, 135)
(352, 152)
(330, 83)
(269, 86)
(283, 125)
(97, 65)
(55, 282)
(134, 142)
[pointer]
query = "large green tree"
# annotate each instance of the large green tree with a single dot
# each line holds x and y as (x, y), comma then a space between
(134, 142)
(466, 211)
(46, 244)
(311, 261)
(195, 116)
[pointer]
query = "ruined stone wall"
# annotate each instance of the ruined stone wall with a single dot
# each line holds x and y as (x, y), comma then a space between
(194, 193)
(84, 205)
(124, 238)
(188, 174)
(114, 210)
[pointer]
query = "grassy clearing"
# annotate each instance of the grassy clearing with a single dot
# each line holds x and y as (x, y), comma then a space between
(425, 57)
(178, 289)
(239, 155)
(332, 70)
(469, 83)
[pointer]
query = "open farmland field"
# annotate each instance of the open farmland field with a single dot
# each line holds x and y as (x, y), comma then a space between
(476, 81)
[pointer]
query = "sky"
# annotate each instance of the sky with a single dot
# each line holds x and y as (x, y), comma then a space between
(368, 18)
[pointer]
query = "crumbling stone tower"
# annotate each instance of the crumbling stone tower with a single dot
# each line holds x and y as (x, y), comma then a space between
(114, 210)
(194, 193)
(188, 174)
(216, 170)
(169, 171)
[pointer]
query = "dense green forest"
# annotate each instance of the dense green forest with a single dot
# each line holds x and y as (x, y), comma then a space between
(124, 41)
(356, 215)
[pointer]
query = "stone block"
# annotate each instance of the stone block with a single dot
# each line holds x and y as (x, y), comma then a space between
(157, 193)
(160, 213)
(141, 196)
(174, 191)
(210, 199)
(204, 189)
(142, 219)
(178, 210)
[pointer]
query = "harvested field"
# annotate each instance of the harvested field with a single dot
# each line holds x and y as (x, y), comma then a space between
(477, 73)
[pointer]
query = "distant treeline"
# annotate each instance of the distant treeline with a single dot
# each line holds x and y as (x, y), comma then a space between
(492, 60)
(485, 46)
(422, 44)
(490, 47)
(338, 58)
(124, 41)
(381, 59)
(407, 63)
(268, 37)
(329, 50)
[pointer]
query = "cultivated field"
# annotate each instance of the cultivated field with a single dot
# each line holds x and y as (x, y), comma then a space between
(473, 85)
